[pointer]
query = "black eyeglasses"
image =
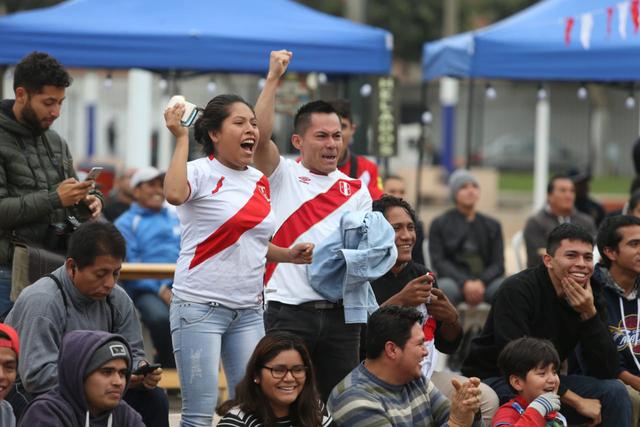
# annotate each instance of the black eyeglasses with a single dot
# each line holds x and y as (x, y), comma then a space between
(280, 371)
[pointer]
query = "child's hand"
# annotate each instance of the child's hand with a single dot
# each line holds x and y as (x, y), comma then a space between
(546, 403)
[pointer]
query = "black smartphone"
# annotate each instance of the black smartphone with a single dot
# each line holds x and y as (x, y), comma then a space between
(146, 369)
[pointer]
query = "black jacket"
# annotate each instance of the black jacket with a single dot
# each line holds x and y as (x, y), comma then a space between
(527, 305)
(448, 233)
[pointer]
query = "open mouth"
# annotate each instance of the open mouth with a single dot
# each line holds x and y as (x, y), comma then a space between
(248, 144)
(329, 157)
(579, 276)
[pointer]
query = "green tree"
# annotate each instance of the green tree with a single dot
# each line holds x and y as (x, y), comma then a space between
(412, 22)
(18, 5)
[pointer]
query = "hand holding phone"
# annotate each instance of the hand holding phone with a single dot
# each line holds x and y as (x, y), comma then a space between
(146, 369)
(94, 173)
(190, 110)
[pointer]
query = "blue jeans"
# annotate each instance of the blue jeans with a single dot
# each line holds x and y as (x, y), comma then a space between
(453, 289)
(201, 333)
(5, 290)
(154, 313)
(612, 394)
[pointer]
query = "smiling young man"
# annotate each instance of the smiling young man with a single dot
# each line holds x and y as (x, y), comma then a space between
(38, 185)
(619, 273)
(82, 294)
(556, 301)
(388, 388)
(94, 369)
(152, 233)
(308, 198)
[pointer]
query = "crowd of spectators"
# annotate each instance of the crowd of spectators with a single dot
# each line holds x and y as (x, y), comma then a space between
(306, 278)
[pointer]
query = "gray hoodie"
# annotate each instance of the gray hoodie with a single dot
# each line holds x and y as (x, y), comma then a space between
(41, 319)
(66, 405)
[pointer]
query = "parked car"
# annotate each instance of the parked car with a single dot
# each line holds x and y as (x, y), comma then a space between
(514, 152)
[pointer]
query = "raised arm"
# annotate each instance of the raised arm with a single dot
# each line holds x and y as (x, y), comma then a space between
(266, 155)
(176, 185)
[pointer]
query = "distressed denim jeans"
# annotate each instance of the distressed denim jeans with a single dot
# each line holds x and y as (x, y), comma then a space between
(201, 334)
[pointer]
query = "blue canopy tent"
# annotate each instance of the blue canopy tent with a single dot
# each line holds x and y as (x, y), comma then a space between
(558, 40)
(200, 35)
(233, 36)
(540, 43)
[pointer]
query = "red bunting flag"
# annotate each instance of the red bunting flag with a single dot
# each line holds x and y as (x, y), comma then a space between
(567, 30)
(635, 14)
(609, 19)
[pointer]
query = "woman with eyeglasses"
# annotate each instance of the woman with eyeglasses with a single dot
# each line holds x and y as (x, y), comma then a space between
(278, 388)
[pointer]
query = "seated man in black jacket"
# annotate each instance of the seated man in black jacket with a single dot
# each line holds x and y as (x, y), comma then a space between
(557, 301)
(466, 246)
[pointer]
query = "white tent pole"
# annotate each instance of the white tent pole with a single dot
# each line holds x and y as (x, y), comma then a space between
(541, 160)
(138, 149)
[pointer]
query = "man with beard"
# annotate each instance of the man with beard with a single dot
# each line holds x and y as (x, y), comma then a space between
(39, 189)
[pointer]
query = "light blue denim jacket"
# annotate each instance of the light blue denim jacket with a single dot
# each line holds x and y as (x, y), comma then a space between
(362, 249)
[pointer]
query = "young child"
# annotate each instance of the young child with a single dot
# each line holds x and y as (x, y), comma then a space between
(530, 366)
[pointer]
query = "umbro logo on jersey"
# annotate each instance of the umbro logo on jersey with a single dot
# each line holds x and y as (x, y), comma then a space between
(345, 188)
(304, 179)
(218, 185)
(263, 191)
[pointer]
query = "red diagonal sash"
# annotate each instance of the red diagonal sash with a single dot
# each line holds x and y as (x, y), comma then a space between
(310, 213)
(250, 215)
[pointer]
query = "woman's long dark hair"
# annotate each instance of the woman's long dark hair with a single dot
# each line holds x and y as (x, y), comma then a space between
(305, 411)
(216, 111)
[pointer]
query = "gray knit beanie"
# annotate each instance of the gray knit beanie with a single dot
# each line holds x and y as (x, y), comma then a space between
(114, 349)
(459, 178)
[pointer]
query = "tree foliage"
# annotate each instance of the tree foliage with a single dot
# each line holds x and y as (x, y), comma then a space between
(18, 5)
(412, 22)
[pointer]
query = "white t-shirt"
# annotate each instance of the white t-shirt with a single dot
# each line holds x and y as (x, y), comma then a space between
(308, 208)
(226, 226)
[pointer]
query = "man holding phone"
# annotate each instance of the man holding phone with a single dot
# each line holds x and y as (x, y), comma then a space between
(83, 294)
(39, 189)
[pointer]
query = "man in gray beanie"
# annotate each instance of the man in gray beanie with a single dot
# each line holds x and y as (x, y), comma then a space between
(94, 369)
(466, 246)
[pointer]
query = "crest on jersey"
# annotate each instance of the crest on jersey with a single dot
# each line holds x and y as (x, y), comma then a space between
(263, 191)
(345, 188)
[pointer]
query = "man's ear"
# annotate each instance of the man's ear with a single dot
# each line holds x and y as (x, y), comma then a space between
(610, 253)
(391, 350)
(70, 266)
(21, 95)
(296, 140)
(547, 259)
(516, 382)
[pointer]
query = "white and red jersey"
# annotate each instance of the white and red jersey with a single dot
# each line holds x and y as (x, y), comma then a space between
(308, 208)
(226, 226)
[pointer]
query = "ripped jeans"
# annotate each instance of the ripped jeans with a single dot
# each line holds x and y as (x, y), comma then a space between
(201, 333)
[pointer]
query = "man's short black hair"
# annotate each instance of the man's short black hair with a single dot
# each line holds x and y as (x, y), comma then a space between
(387, 201)
(302, 120)
(567, 231)
(342, 107)
(610, 237)
(389, 323)
(93, 239)
(39, 69)
(555, 178)
(527, 353)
